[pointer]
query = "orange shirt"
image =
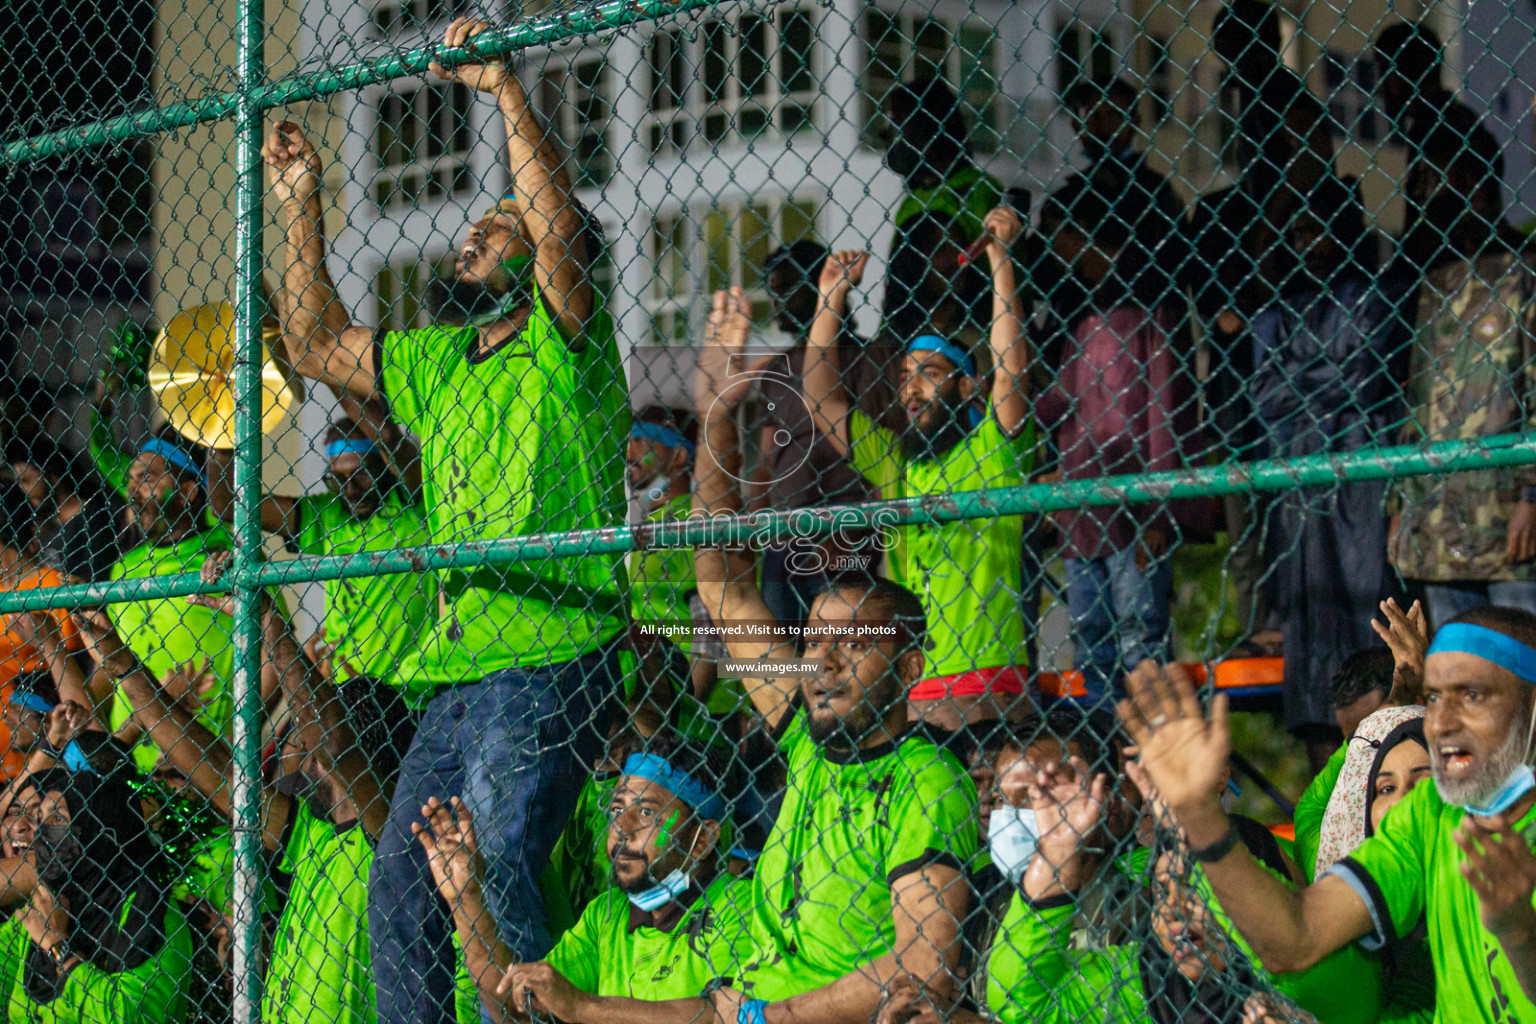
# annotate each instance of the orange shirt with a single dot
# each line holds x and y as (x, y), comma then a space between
(17, 657)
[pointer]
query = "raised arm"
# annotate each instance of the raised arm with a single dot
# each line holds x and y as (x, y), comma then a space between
(321, 341)
(552, 221)
(1009, 337)
(187, 744)
(42, 630)
(727, 579)
(824, 390)
(276, 511)
(1182, 755)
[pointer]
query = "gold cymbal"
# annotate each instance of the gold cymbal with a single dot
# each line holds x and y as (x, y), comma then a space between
(192, 373)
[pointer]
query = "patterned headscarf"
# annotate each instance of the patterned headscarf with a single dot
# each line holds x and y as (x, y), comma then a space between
(1345, 821)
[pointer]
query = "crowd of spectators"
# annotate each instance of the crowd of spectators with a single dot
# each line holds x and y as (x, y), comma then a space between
(813, 781)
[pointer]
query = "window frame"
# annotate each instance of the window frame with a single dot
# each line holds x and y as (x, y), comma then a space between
(987, 132)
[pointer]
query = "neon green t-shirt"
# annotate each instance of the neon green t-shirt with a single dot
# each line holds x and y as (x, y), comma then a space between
(373, 620)
(527, 440)
(662, 579)
(581, 855)
(321, 969)
(1310, 810)
(1411, 868)
(170, 631)
(155, 992)
(604, 957)
(968, 195)
(968, 573)
(849, 828)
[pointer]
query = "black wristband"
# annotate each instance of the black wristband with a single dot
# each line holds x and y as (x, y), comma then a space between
(1217, 850)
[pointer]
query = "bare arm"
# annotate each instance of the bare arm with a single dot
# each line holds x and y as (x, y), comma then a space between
(824, 390)
(1009, 339)
(927, 907)
(64, 665)
(1182, 757)
(552, 221)
(726, 579)
(321, 341)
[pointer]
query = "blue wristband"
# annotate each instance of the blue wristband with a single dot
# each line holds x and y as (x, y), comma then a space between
(751, 1012)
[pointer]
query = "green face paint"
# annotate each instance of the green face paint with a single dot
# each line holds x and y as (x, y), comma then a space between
(667, 826)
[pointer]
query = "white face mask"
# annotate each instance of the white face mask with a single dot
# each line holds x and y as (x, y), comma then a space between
(656, 489)
(662, 893)
(1012, 836)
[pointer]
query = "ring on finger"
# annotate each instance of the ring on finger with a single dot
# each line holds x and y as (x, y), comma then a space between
(1157, 721)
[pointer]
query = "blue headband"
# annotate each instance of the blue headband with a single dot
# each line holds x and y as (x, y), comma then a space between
(174, 455)
(75, 759)
(661, 435)
(679, 784)
(946, 348)
(31, 701)
(355, 446)
(1490, 645)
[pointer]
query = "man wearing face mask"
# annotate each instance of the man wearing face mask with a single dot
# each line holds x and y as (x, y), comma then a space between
(1470, 537)
(320, 828)
(168, 503)
(520, 405)
(1454, 854)
(371, 623)
(672, 923)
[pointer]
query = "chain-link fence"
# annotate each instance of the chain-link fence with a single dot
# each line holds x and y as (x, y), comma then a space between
(643, 511)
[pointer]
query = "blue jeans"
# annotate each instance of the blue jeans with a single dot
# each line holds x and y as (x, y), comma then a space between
(1445, 601)
(1119, 617)
(515, 747)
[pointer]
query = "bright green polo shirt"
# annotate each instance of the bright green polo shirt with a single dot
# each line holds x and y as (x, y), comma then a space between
(321, 968)
(849, 828)
(167, 632)
(155, 992)
(1411, 868)
(374, 621)
(602, 955)
(968, 573)
(529, 439)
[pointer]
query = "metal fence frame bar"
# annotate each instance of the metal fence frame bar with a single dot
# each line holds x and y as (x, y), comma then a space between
(312, 85)
(1501, 451)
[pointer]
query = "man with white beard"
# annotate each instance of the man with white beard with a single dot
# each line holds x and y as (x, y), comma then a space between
(1456, 854)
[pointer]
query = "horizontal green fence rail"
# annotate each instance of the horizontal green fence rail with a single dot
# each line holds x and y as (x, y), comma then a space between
(302, 86)
(1229, 478)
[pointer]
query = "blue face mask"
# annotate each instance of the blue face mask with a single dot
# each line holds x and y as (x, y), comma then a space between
(662, 893)
(1520, 782)
(1012, 836)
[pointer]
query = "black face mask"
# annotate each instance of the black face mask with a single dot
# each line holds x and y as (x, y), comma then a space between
(293, 784)
(58, 850)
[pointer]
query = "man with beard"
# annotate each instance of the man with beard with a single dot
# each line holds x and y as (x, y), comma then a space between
(672, 923)
(1455, 855)
(321, 828)
(371, 622)
(861, 879)
(167, 502)
(968, 573)
(522, 417)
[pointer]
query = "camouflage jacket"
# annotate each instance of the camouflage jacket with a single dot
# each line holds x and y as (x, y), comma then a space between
(1473, 375)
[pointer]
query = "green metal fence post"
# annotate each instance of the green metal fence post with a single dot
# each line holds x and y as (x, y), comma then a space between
(250, 76)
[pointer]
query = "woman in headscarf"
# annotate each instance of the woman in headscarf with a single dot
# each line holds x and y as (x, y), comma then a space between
(1184, 963)
(100, 941)
(1387, 757)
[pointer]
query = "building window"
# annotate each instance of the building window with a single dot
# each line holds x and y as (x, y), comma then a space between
(422, 144)
(666, 63)
(1350, 86)
(576, 99)
(905, 47)
(696, 253)
(1083, 53)
(403, 291)
(755, 72)
(410, 16)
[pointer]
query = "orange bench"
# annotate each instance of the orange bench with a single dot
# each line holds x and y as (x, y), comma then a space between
(1239, 677)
